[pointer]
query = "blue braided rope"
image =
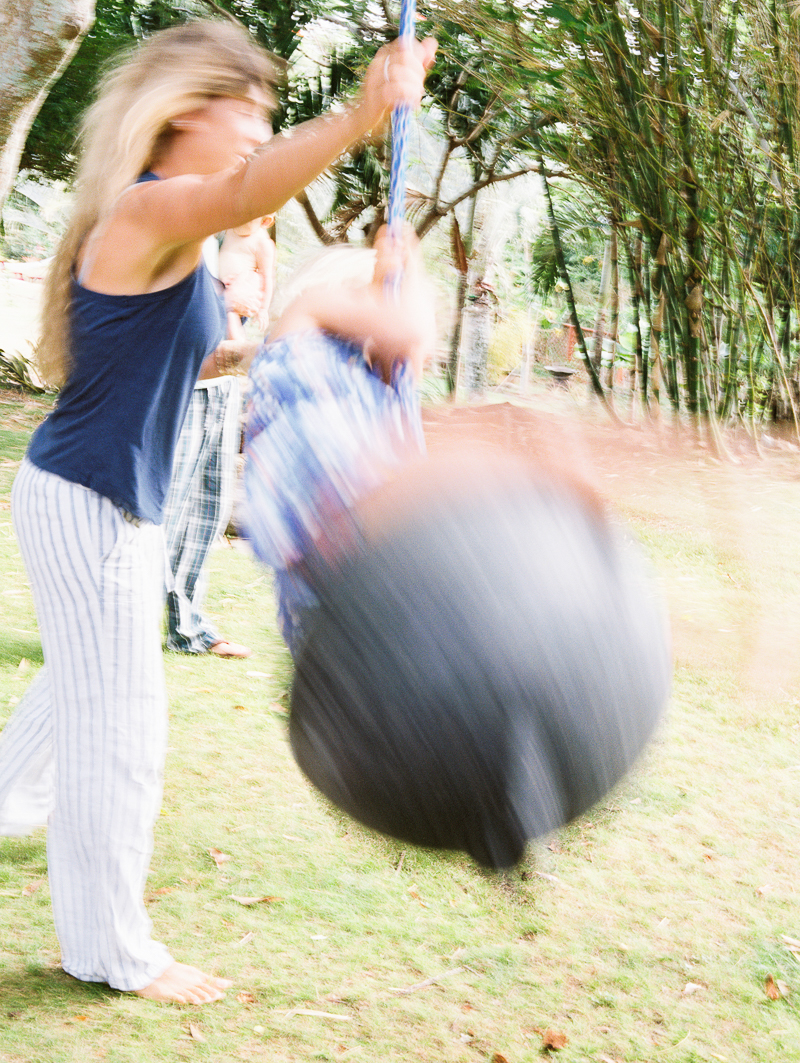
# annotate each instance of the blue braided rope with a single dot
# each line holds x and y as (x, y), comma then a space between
(400, 125)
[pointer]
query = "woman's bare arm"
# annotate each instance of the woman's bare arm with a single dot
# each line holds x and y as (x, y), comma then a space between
(390, 332)
(189, 207)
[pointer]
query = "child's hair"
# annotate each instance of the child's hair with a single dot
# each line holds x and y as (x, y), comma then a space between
(173, 72)
(343, 263)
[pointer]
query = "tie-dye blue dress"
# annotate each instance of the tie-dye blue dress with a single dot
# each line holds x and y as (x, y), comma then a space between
(323, 430)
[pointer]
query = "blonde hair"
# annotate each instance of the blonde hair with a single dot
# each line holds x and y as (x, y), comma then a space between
(173, 72)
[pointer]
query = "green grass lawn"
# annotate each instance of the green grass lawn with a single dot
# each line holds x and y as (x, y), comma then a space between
(648, 931)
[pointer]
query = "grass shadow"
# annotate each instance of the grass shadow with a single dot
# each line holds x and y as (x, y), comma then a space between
(13, 649)
(24, 850)
(33, 986)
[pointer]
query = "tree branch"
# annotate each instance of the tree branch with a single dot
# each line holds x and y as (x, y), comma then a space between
(320, 231)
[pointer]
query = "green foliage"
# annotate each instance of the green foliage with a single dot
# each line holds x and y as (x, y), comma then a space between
(50, 147)
(34, 216)
(20, 371)
(583, 231)
(681, 121)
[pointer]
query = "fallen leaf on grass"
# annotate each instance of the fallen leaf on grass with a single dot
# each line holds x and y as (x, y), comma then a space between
(414, 892)
(195, 1032)
(240, 708)
(218, 857)
(317, 1014)
(243, 941)
(553, 1040)
(428, 982)
(153, 895)
(23, 665)
(277, 707)
(245, 998)
(249, 901)
(691, 987)
(32, 887)
(497, 1058)
(792, 944)
(773, 988)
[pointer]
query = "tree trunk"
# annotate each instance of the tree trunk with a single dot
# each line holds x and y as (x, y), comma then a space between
(37, 40)
(462, 250)
(613, 331)
(475, 353)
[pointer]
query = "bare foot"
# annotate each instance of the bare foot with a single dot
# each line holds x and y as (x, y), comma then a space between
(181, 984)
(229, 649)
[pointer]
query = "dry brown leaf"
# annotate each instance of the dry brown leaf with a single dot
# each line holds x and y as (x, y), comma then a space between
(32, 887)
(771, 988)
(218, 857)
(317, 1014)
(414, 892)
(249, 901)
(498, 1058)
(240, 708)
(196, 1033)
(792, 944)
(553, 1040)
(245, 998)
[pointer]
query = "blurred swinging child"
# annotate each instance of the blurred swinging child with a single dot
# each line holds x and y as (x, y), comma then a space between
(433, 606)
(333, 408)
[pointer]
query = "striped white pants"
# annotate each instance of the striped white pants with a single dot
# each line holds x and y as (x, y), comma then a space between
(97, 712)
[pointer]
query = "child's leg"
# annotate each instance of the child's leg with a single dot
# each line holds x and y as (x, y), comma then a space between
(235, 326)
(198, 507)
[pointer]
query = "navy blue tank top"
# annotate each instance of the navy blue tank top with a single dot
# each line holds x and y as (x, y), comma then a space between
(135, 359)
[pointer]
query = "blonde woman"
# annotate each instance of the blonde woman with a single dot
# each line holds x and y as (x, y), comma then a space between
(173, 151)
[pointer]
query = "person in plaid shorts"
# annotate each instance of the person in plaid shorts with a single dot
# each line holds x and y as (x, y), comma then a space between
(200, 498)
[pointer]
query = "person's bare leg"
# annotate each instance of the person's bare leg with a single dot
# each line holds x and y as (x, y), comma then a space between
(181, 984)
(235, 326)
